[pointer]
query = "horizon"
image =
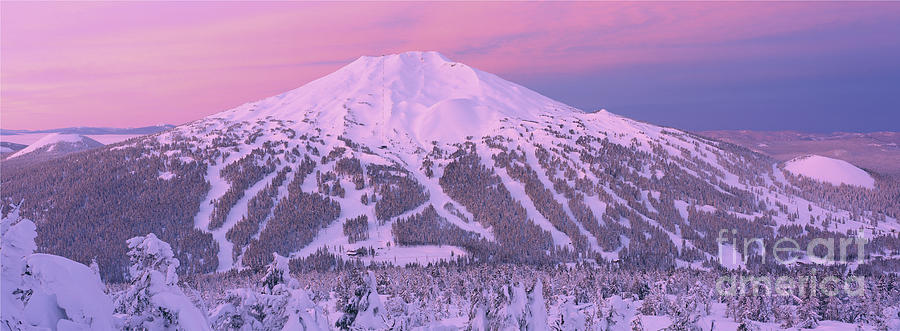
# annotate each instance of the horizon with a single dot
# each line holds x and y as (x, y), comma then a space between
(805, 67)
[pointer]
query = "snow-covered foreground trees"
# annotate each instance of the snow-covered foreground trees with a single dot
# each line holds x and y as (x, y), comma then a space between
(41, 291)
(155, 301)
(364, 310)
(511, 307)
(280, 305)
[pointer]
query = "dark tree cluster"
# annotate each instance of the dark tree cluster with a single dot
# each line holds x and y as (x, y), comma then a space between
(329, 184)
(429, 228)
(397, 191)
(241, 174)
(258, 208)
(883, 199)
(294, 223)
(86, 205)
(357, 228)
(322, 261)
(351, 167)
(546, 203)
(480, 190)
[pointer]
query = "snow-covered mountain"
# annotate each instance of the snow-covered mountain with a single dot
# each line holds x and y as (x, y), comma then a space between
(56, 144)
(830, 170)
(415, 158)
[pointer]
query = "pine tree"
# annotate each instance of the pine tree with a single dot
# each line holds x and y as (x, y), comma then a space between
(784, 315)
(655, 302)
(636, 323)
(808, 313)
(17, 243)
(536, 318)
(364, 310)
(875, 313)
(571, 316)
(684, 314)
(834, 309)
(154, 300)
(702, 295)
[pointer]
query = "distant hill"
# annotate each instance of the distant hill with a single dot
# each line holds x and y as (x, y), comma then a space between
(85, 130)
(875, 151)
(55, 145)
(8, 147)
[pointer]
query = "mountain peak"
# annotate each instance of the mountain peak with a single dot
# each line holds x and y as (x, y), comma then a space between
(423, 96)
(425, 56)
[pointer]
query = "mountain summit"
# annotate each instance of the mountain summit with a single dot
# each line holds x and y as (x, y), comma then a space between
(414, 158)
(420, 94)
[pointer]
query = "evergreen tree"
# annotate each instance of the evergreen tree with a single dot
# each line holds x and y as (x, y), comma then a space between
(364, 310)
(636, 323)
(808, 313)
(684, 314)
(154, 300)
(571, 316)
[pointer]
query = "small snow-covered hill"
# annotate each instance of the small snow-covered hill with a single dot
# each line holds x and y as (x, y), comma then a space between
(830, 170)
(413, 157)
(56, 144)
(9, 148)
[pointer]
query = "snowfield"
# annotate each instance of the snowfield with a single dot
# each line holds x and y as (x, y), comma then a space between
(830, 170)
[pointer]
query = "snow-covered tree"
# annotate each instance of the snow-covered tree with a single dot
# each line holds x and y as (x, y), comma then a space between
(611, 313)
(637, 323)
(655, 302)
(536, 316)
(874, 313)
(478, 313)
(154, 300)
(834, 309)
(684, 315)
(571, 316)
(808, 313)
(785, 315)
(242, 309)
(280, 304)
(702, 295)
(17, 243)
(43, 291)
(364, 310)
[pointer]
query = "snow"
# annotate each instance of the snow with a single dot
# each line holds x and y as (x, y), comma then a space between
(830, 170)
(420, 94)
(52, 140)
(72, 288)
(189, 317)
(155, 281)
(64, 294)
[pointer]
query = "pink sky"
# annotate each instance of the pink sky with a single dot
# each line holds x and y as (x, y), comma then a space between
(134, 64)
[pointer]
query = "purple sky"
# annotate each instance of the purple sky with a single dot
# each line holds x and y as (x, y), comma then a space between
(810, 66)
